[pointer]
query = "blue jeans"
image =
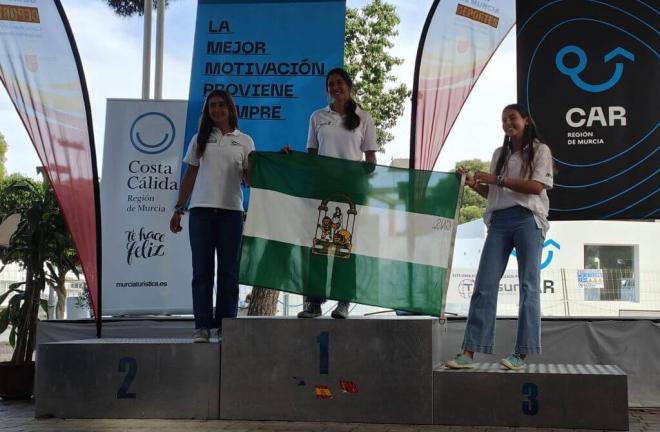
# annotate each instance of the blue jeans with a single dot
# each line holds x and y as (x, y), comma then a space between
(511, 227)
(214, 230)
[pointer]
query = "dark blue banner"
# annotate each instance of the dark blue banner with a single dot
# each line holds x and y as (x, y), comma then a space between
(272, 56)
(589, 73)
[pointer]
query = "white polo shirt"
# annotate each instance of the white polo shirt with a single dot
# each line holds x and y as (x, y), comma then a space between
(501, 198)
(328, 135)
(218, 182)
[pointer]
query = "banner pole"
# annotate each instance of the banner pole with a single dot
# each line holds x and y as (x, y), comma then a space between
(94, 166)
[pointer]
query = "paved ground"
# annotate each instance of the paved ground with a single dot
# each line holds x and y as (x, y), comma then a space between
(18, 416)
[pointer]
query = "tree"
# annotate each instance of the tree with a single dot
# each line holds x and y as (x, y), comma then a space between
(367, 40)
(41, 236)
(473, 205)
(128, 8)
(27, 247)
(3, 153)
(263, 302)
(18, 199)
(62, 259)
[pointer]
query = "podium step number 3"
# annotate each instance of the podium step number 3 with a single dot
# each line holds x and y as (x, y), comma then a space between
(539, 396)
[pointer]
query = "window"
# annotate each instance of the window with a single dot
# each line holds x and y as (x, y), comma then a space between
(617, 264)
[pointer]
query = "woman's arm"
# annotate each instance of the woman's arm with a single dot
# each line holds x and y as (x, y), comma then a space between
(246, 172)
(184, 193)
(370, 156)
(517, 185)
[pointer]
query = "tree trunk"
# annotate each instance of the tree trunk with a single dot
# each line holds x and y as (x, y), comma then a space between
(60, 288)
(263, 302)
(40, 285)
(22, 336)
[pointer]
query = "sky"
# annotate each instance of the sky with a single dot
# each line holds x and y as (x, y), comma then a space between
(111, 51)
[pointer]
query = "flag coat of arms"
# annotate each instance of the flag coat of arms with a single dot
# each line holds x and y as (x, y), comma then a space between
(351, 231)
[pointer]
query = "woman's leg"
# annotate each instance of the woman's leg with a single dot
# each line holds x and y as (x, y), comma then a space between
(202, 245)
(316, 283)
(480, 328)
(230, 231)
(528, 240)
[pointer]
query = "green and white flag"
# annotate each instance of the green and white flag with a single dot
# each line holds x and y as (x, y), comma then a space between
(351, 231)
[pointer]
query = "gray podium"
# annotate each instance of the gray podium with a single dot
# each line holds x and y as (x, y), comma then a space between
(128, 378)
(373, 370)
(542, 395)
(362, 369)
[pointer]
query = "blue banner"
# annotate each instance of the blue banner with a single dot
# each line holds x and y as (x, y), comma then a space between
(272, 56)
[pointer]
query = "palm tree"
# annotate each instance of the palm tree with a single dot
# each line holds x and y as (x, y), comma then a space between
(41, 235)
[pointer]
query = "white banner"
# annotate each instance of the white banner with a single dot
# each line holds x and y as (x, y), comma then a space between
(146, 268)
(40, 68)
(458, 40)
(461, 288)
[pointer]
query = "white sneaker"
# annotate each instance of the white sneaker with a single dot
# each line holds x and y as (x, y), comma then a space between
(200, 335)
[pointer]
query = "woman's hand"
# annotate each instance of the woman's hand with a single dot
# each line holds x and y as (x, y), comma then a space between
(485, 178)
(286, 149)
(476, 182)
(469, 180)
(175, 223)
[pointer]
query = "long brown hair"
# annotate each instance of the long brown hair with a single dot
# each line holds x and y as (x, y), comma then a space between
(530, 134)
(351, 119)
(205, 122)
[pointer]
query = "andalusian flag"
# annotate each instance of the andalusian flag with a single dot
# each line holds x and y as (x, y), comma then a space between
(352, 231)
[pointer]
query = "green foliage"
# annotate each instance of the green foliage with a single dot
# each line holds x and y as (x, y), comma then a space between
(19, 198)
(3, 158)
(12, 316)
(41, 238)
(473, 165)
(473, 205)
(368, 38)
(83, 301)
(128, 8)
(470, 213)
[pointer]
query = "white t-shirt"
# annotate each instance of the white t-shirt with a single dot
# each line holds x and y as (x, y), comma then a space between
(218, 182)
(328, 135)
(501, 198)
